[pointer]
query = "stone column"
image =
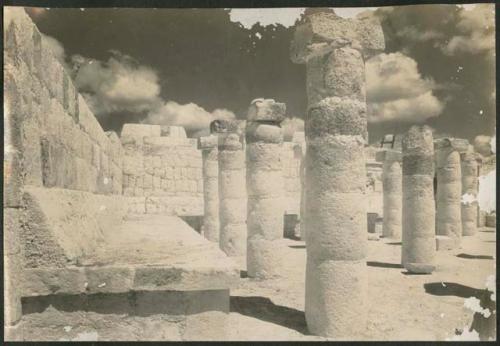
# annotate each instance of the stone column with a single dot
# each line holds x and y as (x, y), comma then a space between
(449, 188)
(419, 242)
(334, 50)
(232, 191)
(469, 192)
(265, 188)
(392, 185)
(210, 151)
(300, 148)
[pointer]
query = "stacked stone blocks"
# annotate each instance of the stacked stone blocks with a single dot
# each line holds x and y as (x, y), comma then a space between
(418, 240)
(334, 50)
(265, 187)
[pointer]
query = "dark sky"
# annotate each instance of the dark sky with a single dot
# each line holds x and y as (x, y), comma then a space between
(199, 56)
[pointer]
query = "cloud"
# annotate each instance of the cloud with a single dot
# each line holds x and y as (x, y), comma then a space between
(191, 116)
(120, 84)
(265, 16)
(476, 29)
(287, 17)
(290, 126)
(397, 91)
(483, 144)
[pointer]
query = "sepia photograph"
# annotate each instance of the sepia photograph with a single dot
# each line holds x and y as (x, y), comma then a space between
(272, 173)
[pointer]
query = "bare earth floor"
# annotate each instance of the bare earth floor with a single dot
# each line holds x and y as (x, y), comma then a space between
(400, 306)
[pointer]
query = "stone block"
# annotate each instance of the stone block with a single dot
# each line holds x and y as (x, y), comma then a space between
(207, 142)
(173, 131)
(491, 220)
(322, 32)
(266, 110)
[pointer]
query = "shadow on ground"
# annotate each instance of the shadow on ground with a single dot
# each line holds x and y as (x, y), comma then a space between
(264, 309)
(485, 326)
(383, 264)
(297, 246)
(467, 256)
(451, 289)
(395, 243)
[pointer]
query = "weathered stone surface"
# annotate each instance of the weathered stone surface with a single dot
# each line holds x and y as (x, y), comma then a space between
(322, 32)
(211, 223)
(491, 220)
(173, 131)
(207, 142)
(469, 170)
(337, 116)
(139, 131)
(265, 189)
(334, 50)
(449, 188)
(266, 110)
(418, 240)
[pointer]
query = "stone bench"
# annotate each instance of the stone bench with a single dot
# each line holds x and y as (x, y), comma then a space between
(77, 244)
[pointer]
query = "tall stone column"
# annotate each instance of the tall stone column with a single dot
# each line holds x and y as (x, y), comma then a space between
(392, 185)
(232, 191)
(209, 147)
(470, 186)
(449, 187)
(265, 188)
(334, 50)
(419, 239)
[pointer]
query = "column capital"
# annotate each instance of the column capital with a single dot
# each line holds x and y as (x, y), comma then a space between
(320, 33)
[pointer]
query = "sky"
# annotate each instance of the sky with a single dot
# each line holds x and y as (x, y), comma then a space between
(190, 66)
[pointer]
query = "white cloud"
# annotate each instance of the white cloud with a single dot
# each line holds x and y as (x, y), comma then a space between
(265, 16)
(485, 145)
(477, 31)
(120, 84)
(191, 116)
(287, 17)
(397, 91)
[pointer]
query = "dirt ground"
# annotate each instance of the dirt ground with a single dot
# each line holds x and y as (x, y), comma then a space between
(400, 306)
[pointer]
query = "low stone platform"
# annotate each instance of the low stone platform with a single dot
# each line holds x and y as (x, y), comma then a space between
(127, 272)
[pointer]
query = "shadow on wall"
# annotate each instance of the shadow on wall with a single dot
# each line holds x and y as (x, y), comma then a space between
(139, 303)
(264, 309)
(486, 327)
(467, 256)
(195, 222)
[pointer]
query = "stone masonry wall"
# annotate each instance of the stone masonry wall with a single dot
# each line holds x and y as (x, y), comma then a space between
(162, 170)
(51, 140)
(59, 141)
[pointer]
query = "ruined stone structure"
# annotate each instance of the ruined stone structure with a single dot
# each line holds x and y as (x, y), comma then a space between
(469, 169)
(162, 170)
(392, 181)
(418, 241)
(449, 187)
(83, 261)
(210, 152)
(232, 191)
(334, 50)
(265, 187)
